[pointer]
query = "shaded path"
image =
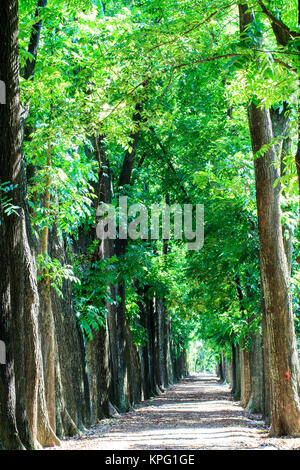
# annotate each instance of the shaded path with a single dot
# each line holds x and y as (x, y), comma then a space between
(195, 414)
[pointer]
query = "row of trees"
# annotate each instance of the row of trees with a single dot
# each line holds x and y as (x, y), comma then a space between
(61, 373)
(258, 327)
(161, 103)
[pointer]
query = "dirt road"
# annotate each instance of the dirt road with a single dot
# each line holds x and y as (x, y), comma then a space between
(197, 413)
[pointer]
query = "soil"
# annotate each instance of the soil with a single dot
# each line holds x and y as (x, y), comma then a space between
(197, 413)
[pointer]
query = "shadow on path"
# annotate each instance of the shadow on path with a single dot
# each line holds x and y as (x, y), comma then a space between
(197, 413)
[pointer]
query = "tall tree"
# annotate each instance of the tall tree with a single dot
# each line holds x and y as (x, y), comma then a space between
(11, 233)
(283, 357)
(24, 415)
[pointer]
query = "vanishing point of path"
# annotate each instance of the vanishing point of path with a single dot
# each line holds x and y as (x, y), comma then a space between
(197, 413)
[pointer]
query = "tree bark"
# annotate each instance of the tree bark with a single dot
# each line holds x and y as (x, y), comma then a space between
(46, 314)
(266, 368)
(245, 376)
(19, 384)
(34, 42)
(255, 403)
(236, 369)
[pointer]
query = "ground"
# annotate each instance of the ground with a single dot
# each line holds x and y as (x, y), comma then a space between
(197, 413)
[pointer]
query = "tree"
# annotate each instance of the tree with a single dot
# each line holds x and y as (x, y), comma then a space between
(23, 413)
(283, 358)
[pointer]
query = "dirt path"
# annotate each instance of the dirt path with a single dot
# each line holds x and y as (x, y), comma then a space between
(195, 414)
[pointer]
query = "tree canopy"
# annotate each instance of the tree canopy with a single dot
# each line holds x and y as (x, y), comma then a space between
(161, 101)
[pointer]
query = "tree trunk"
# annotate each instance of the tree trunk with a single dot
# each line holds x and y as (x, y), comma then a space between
(158, 344)
(122, 344)
(46, 314)
(220, 369)
(227, 368)
(233, 369)
(152, 345)
(255, 403)
(34, 42)
(145, 350)
(71, 381)
(236, 393)
(102, 354)
(245, 376)
(20, 395)
(266, 368)
(165, 327)
(280, 126)
(284, 368)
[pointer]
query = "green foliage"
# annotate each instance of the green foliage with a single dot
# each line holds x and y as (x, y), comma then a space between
(91, 294)
(6, 204)
(52, 270)
(201, 357)
(187, 64)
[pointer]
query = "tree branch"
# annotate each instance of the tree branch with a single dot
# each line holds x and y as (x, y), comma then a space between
(128, 162)
(276, 21)
(192, 28)
(208, 59)
(170, 164)
(286, 66)
(34, 42)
